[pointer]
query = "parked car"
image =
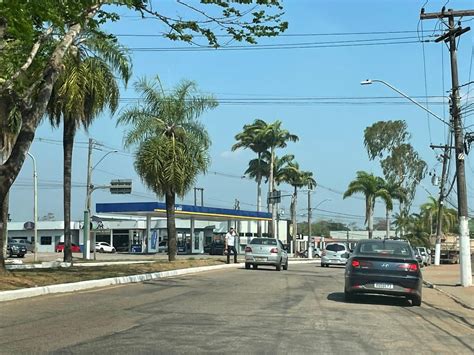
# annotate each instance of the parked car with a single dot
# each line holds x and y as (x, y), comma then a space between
(425, 255)
(335, 254)
(17, 249)
(29, 245)
(103, 247)
(74, 248)
(163, 246)
(418, 257)
(386, 267)
(266, 251)
(217, 248)
(316, 253)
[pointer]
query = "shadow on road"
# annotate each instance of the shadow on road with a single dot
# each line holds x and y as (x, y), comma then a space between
(371, 299)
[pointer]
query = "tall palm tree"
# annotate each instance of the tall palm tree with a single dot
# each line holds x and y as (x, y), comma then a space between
(275, 137)
(429, 213)
(171, 145)
(250, 138)
(297, 179)
(86, 87)
(395, 192)
(370, 186)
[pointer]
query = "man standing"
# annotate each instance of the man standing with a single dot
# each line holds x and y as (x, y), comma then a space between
(230, 245)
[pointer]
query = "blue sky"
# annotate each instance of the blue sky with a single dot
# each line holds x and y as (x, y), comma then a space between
(330, 130)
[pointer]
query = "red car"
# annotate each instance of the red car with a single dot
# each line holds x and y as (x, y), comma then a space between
(60, 248)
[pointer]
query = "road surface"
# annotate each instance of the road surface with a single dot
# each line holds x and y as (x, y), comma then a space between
(239, 311)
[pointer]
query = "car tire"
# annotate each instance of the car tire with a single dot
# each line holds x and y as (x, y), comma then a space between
(247, 266)
(322, 265)
(255, 266)
(415, 301)
(278, 267)
(285, 267)
(101, 250)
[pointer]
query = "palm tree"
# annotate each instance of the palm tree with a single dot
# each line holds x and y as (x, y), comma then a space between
(429, 212)
(401, 221)
(275, 137)
(172, 146)
(370, 186)
(297, 179)
(86, 87)
(394, 192)
(249, 138)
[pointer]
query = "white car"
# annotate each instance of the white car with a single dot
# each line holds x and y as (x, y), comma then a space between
(103, 247)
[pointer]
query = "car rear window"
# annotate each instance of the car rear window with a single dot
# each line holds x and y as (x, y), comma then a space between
(384, 248)
(264, 241)
(335, 247)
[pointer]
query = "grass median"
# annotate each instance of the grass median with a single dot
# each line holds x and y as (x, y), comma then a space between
(17, 279)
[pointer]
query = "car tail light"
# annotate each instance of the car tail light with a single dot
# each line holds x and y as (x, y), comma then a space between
(274, 251)
(412, 267)
(248, 249)
(361, 264)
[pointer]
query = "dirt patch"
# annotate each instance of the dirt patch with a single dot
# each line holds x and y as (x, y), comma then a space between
(16, 279)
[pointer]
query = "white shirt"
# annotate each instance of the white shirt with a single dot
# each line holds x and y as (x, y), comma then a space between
(230, 239)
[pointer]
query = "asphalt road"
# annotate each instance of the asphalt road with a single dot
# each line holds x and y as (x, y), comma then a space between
(239, 311)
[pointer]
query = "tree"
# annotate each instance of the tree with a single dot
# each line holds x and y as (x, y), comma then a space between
(298, 179)
(171, 145)
(429, 214)
(370, 186)
(249, 139)
(389, 142)
(35, 37)
(86, 87)
(275, 137)
(394, 192)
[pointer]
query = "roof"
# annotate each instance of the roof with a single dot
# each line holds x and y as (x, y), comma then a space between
(158, 209)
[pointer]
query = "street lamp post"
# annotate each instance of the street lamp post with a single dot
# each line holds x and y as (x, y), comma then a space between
(35, 205)
(464, 246)
(319, 204)
(89, 190)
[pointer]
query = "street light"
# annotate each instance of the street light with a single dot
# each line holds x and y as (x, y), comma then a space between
(35, 205)
(89, 190)
(310, 248)
(371, 81)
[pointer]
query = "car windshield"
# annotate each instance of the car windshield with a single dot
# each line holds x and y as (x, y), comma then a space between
(264, 241)
(335, 247)
(384, 248)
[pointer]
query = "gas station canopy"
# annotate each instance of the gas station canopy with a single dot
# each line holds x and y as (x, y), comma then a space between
(158, 209)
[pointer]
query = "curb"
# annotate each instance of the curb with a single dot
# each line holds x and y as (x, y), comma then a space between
(85, 285)
(454, 298)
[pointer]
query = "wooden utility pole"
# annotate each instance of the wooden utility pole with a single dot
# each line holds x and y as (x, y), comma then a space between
(450, 38)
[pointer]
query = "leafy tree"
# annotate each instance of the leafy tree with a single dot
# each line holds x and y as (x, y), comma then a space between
(371, 187)
(35, 37)
(83, 90)
(389, 142)
(172, 146)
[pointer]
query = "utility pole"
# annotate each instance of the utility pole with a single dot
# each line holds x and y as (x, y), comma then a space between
(310, 245)
(201, 190)
(86, 230)
(450, 37)
(439, 218)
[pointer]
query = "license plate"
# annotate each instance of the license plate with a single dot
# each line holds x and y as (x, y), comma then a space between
(260, 258)
(383, 285)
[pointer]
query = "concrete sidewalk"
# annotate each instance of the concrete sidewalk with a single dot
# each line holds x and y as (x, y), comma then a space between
(446, 278)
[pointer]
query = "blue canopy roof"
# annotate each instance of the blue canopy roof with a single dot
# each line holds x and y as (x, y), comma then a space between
(158, 209)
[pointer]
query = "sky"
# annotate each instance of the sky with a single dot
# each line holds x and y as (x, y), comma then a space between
(313, 88)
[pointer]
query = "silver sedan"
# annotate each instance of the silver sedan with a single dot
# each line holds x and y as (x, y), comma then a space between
(266, 251)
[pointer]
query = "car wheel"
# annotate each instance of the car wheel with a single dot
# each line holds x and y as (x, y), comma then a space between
(113, 250)
(255, 266)
(285, 267)
(322, 265)
(278, 267)
(415, 301)
(247, 266)
(101, 250)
